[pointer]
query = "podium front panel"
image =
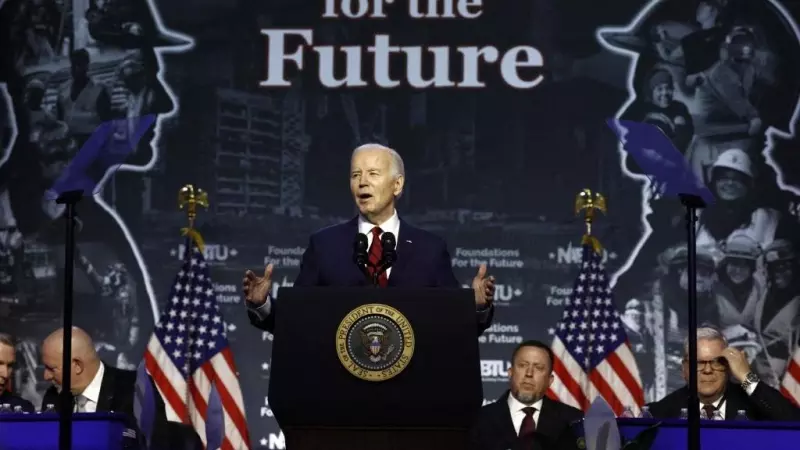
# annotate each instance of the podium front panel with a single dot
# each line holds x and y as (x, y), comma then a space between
(97, 431)
(439, 387)
(717, 435)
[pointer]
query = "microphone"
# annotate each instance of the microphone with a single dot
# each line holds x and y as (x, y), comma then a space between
(388, 242)
(360, 254)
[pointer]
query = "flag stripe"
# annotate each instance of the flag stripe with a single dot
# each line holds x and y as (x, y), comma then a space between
(231, 406)
(790, 386)
(604, 389)
(176, 410)
(197, 407)
(621, 370)
(236, 394)
(564, 373)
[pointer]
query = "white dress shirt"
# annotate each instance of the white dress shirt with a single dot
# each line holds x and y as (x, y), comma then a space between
(391, 225)
(91, 394)
(722, 402)
(515, 407)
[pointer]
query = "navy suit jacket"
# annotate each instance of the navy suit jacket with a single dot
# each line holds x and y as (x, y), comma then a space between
(422, 261)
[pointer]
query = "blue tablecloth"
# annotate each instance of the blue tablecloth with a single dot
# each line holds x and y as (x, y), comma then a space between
(98, 431)
(718, 435)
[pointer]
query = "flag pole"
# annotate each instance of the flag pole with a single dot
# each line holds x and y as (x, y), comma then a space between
(588, 204)
(189, 198)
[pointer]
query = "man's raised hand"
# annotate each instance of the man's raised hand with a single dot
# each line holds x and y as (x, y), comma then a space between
(256, 288)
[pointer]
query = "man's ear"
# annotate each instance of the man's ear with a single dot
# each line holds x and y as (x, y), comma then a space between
(79, 367)
(399, 183)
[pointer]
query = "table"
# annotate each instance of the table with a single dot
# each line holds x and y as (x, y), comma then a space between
(717, 435)
(90, 431)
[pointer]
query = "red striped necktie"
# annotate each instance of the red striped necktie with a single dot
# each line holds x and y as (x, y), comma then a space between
(375, 254)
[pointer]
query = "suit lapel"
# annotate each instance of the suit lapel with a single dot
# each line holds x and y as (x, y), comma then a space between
(107, 387)
(504, 424)
(404, 248)
(548, 418)
(734, 401)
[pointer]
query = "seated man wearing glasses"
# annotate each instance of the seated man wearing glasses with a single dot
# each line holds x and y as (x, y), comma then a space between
(721, 398)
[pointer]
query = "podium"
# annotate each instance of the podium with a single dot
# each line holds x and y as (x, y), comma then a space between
(364, 368)
(96, 431)
(717, 435)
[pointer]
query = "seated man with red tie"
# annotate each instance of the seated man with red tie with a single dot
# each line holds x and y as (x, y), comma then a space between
(524, 418)
(377, 178)
(720, 398)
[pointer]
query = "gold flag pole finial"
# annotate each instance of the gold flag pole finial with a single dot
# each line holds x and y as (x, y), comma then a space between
(589, 202)
(189, 198)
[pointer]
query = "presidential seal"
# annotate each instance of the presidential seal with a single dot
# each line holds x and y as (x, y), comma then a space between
(375, 342)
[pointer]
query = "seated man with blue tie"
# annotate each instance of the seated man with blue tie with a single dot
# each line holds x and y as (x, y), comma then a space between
(720, 398)
(377, 176)
(524, 418)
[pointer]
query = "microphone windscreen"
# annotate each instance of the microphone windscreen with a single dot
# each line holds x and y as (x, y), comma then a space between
(388, 241)
(361, 243)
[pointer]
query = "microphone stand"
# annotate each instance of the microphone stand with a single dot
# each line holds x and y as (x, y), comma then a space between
(692, 203)
(69, 199)
(362, 266)
(375, 275)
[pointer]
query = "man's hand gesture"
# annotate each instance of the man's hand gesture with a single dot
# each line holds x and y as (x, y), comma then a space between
(256, 288)
(484, 288)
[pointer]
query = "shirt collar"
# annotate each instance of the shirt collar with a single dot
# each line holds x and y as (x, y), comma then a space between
(516, 406)
(92, 391)
(391, 225)
(716, 403)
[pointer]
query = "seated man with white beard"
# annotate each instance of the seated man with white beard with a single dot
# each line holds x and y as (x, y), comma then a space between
(720, 398)
(523, 418)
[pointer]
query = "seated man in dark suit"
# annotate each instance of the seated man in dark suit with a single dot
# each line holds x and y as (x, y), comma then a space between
(720, 398)
(377, 177)
(524, 418)
(98, 387)
(8, 357)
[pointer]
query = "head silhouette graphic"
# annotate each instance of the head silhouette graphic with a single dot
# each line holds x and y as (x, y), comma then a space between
(68, 69)
(713, 75)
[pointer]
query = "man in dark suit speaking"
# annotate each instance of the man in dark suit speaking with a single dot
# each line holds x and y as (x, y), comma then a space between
(377, 177)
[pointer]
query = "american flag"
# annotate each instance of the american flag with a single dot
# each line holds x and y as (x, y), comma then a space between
(191, 363)
(592, 353)
(790, 386)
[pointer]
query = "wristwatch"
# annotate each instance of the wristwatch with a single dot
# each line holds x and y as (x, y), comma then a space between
(750, 378)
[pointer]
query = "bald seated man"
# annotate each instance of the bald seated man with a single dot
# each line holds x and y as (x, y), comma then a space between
(99, 387)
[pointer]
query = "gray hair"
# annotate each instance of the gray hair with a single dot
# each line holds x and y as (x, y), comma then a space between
(707, 333)
(7, 339)
(398, 168)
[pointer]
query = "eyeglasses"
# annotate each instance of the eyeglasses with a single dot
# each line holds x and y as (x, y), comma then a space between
(717, 364)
